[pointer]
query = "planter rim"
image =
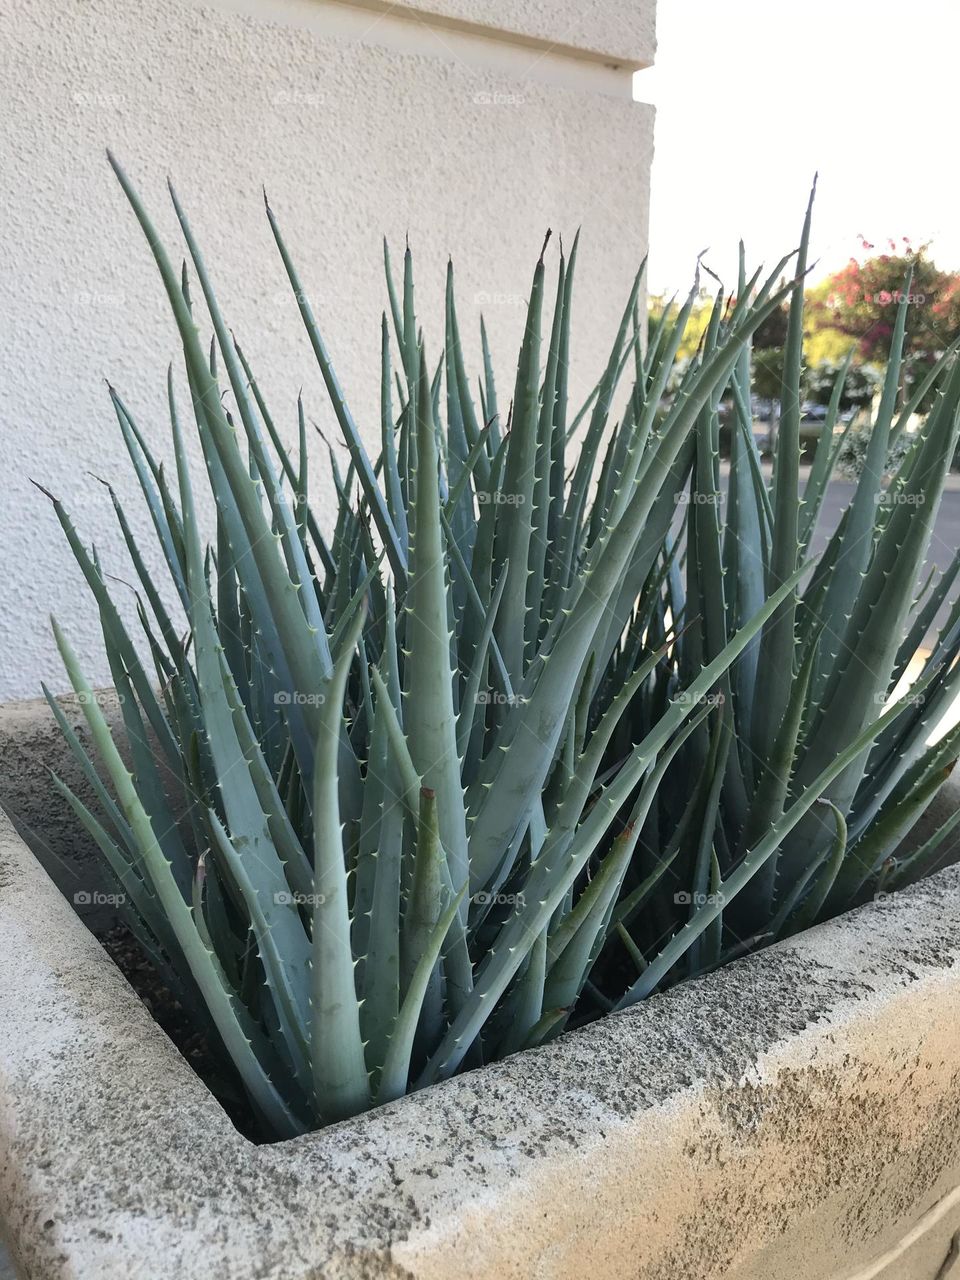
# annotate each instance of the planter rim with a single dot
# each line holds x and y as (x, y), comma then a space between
(643, 1138)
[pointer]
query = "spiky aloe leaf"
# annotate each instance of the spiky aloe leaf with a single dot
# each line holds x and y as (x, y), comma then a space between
(514, 526)
(515, 775)
(248, 852)
(825, 458)
(242, 1039)
(423, 911)
(801, 908)
(877, 621)
(860, 527)
(924, 858)
(774, 776)
(748, 867)
(883, 837)
(603, 625)
(340, 1077)
(304, 650)
(777, 645)
(429, 713)
(282, 516)
(351, 435)
(396, 1067)
(550, 877)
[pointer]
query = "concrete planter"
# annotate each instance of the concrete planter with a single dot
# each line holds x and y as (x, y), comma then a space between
(794, 1115)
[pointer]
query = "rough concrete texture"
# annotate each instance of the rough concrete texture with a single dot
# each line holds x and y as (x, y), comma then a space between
(794, 1115)
(473, 146)
(6, 1265)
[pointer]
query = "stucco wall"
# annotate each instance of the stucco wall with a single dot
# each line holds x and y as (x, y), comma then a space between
(359, 123)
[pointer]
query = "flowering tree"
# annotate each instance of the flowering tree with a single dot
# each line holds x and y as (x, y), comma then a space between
(860, 302)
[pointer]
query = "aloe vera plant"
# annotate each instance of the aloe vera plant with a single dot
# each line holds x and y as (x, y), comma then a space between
(820, 677)
(430, 746)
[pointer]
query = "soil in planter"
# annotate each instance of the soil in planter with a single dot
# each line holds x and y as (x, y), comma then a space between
(213, 1068)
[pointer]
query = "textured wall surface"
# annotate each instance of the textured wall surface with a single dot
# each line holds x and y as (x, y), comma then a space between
(359, 124)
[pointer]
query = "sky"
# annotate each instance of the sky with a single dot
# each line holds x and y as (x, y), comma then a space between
(755, 96)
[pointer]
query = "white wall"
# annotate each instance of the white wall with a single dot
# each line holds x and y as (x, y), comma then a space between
(359, 122)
